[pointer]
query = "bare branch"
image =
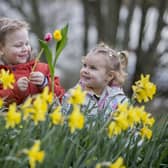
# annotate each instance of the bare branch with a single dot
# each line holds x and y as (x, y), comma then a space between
(160, 25)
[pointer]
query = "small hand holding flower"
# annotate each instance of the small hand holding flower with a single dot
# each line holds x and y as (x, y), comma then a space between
(37, 78)
(23, 83)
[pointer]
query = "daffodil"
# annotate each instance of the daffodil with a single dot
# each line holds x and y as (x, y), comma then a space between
(144, 89)
(12, 117)
(76, 119)
(46, 95)
(123, 107)
(77, 95)
(57, 35)
(121, 121)
(35, 155)
(56, 116)
(118, 163)
(132, 116)
(7, 79)
(113, 129)
(39, 110)
(26, 107)
(146, 132)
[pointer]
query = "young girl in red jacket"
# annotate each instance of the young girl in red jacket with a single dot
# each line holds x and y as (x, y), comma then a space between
(16, 56)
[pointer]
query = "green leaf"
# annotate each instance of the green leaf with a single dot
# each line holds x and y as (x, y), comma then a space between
(61, 44)
(48, 55)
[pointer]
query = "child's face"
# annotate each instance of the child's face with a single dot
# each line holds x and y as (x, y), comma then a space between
(16, 48)
(94, 74)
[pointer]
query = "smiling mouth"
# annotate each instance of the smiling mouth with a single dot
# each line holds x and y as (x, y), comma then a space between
(23, 56)
(85, 78)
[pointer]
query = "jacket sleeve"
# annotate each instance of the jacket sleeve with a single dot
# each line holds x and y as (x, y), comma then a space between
(11, 95)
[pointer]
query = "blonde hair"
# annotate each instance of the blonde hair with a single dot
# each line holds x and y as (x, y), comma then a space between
(123, 55)
(116, 62)
(8, 25)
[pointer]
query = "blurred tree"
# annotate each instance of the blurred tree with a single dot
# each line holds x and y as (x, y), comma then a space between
(148, 60)
(86, 24)
(30, 11)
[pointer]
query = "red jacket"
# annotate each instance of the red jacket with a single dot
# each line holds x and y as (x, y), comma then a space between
(20, 70)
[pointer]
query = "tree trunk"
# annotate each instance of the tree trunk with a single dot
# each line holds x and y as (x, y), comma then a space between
(99, 21)
(86, 24)
(139, 65)
(127, 32)
(112, 23)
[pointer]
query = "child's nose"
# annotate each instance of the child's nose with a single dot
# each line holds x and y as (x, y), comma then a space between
(25, 47)
(86, 70)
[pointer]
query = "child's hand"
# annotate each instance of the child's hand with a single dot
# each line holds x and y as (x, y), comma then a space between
(37, 78)
(22, 83)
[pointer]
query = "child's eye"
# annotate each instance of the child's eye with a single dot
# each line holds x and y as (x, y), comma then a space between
(27, 44)
(17, 45)
(84, 65)
(93, 67)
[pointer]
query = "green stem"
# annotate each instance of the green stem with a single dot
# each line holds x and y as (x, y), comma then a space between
(52, 83)
(55, 59)
(48, 135)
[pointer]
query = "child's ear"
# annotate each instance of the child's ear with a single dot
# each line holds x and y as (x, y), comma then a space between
(110, 76)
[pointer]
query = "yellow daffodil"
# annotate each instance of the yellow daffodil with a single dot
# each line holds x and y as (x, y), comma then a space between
(7, 79)
(144, 89)
(35, 155)
(146, 132)
(57, 117)
(137, 113)
(121, 121)
(12, 117)
(113, 129)
(39, 110)
(46, 95)
(76, 119)
(57, 35)
(26, 107)
(127, 117)
(118, 163)
(150, 121)
(77, 95)
(123, 107)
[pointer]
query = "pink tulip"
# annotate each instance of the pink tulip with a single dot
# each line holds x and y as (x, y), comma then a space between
(48, 37)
